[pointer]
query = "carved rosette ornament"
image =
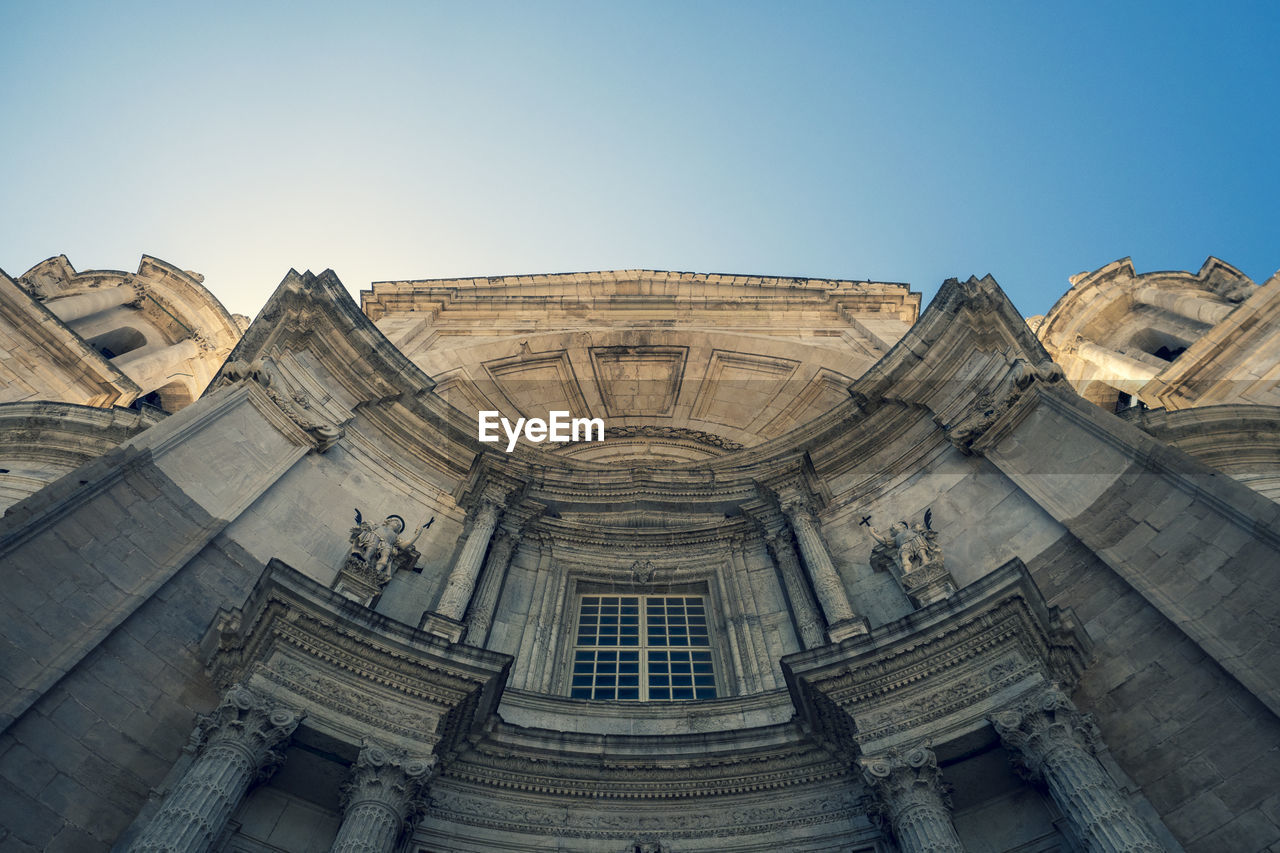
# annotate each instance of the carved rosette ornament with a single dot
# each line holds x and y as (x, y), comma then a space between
(1053, 743)
(238, 744)
(911, 794)
(380, 798)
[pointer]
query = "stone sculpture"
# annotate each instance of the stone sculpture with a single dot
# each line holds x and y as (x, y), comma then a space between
(377, 552)
(912, 554)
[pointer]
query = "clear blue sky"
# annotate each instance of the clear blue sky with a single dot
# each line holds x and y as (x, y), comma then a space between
(892, 141)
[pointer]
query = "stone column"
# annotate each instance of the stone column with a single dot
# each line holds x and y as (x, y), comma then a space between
(1202, 308)
(69, 308)
(462, 580)
(1120, 371)
(378, 799)
(240, 744)
(1053, 743)
(912, 796)
(152, 368)
(808, 621)
(480, 617)
(841, 619)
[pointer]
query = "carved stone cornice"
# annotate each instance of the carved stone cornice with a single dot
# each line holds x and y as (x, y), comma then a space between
(944, 667)
(356, 671)
(689, 819)
(654, 541)
(666, 435)
(696, 762)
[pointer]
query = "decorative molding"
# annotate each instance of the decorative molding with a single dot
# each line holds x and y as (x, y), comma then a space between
(357, 670)
(943, 667)
(990, 406)
(532, 818)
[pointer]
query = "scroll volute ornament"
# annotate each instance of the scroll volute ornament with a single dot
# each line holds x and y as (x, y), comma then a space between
(901, 781)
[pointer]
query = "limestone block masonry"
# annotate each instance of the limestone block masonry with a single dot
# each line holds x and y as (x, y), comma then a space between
(724, 623)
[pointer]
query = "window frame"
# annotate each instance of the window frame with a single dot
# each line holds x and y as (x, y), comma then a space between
(642, 648)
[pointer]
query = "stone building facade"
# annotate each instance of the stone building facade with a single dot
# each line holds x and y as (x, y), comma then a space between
(842, 575)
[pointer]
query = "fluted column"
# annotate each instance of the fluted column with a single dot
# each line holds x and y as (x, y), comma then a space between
(1053, 743)
(239, 745)
(378, 799)
(912, 796)
(153, 368)
(480, 617)
(808, 621)
(841, 620)
(462, 580)
(69, 308)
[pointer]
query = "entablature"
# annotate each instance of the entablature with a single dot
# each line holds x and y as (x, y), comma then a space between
(940, 672)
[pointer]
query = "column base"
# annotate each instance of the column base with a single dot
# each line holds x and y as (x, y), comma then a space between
(442, 626)
(846, 628)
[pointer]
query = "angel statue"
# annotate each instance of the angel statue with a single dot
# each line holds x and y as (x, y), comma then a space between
(912, 546)
(376, 544)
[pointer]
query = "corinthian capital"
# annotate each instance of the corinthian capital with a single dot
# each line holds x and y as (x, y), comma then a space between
(911, 793)
(903, 780)
(1041, 725)
(390, 777)
(250, 723)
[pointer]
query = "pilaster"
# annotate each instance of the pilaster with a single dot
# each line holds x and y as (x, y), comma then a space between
(809, 626)
(466, 569)
(485, 602)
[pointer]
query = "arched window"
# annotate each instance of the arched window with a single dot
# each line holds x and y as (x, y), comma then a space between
(117, 341)
(1159, 343)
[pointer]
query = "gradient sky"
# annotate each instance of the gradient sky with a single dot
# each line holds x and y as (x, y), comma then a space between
(892, 141)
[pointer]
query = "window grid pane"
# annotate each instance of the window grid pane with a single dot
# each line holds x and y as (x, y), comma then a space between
(673, 663)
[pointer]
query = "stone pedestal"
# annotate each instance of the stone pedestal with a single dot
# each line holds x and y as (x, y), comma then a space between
(1053, 743)
(379, 798)
(913, 798)
(240, 745)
